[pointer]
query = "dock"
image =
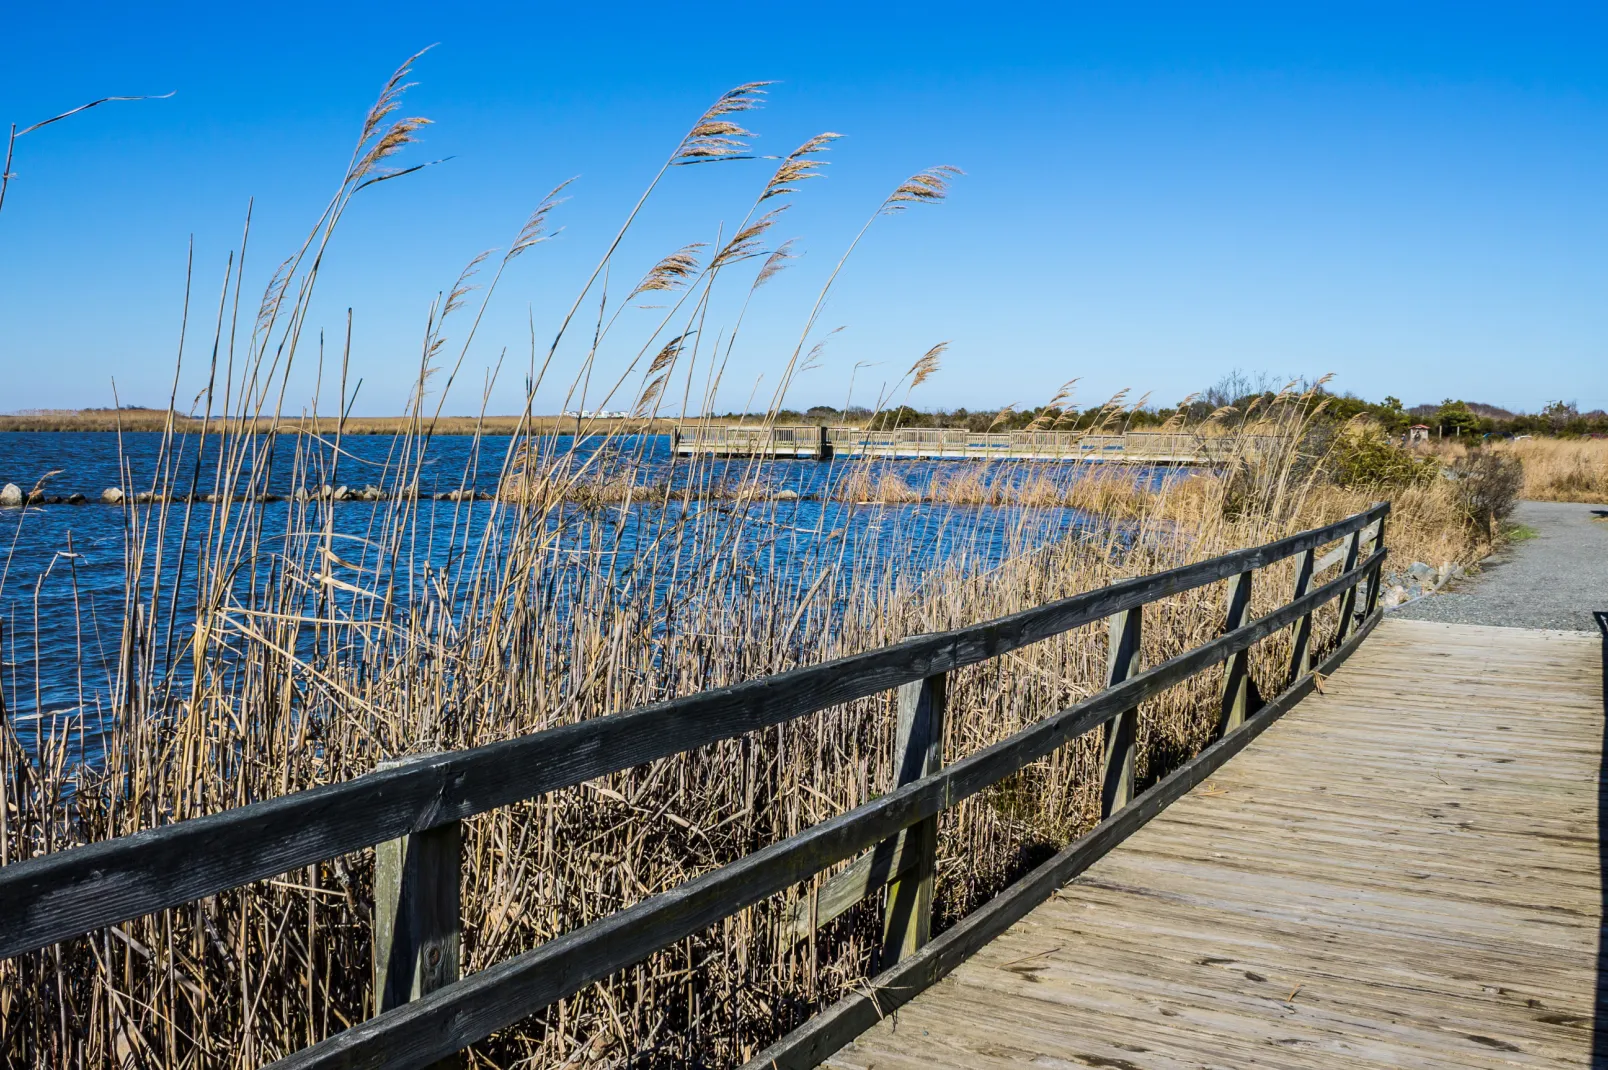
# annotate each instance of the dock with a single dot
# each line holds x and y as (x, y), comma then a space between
(821, 443)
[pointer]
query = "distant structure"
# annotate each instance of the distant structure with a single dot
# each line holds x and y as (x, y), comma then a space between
(595, 414)
(1417, 433)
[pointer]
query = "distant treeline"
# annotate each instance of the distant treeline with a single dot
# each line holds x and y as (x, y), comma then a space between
(1232, 400)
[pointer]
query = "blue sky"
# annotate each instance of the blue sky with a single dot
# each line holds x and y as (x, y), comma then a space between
(1409, 196)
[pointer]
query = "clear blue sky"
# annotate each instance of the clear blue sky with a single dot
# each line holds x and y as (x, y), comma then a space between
(1409, 196)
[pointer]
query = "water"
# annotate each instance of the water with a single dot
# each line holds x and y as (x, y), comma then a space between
(62, 584)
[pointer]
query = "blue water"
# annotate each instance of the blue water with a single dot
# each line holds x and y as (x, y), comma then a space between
(62, 584)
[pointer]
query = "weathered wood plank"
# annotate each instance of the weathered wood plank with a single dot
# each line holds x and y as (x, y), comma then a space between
(1301, 646)
(1237, 678)
(1123, 639)
(460, 1014)
(417, 915)
(1348, 601)
(862, 877)
(57, 896)
(918, 751)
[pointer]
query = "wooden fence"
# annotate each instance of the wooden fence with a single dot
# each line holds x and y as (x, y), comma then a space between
(413, 809)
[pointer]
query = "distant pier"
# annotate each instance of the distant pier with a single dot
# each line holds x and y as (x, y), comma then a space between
(810, 442)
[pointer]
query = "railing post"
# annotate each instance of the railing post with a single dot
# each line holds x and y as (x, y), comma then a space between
(1301, 651)
(1237, 680)
(1125, 632)
(917, 752)
(417, 926)
(1348, 601)
(1376, 574)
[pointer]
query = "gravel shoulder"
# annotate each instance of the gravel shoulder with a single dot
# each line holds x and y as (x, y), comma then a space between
(1554, 580)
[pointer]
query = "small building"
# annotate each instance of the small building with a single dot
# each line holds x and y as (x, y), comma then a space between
(1417, 433)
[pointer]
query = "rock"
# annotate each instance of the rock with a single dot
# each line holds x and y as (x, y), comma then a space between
(10, 494)
(1420, 573)
(76, 498)
(112, 495)
(270, 498)
(1449, 572)
(1394, 596)
(36, 496)
(371, 493)
(342, 493)
(445, 496)
(787, 496)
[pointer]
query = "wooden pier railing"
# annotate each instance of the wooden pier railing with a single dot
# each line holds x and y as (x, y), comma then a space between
(413, 811)
(826, 443)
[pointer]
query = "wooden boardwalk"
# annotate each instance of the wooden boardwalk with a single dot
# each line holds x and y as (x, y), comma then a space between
(808, 441)
(1404, 871)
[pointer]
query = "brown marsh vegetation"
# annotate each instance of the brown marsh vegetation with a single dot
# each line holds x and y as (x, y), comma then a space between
(307, 658)
(1561, 469)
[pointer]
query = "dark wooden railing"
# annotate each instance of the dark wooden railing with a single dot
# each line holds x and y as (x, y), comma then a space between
(412, 811)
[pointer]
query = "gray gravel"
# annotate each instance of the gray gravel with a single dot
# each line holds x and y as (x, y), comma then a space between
(1554, 580)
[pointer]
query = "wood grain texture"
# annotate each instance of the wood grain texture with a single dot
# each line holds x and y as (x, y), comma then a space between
(1124, 638)
(1404, 872)
(863, 876)
(61, 895)
(918, 751)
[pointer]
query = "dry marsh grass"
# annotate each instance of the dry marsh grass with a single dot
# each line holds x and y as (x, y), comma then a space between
(1563, 470)
(305, 660)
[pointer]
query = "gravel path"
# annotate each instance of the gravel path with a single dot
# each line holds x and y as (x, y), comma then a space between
(1554, 580)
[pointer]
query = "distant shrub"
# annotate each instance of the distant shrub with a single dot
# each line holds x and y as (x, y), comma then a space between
(1363, 457)
(1488, 485)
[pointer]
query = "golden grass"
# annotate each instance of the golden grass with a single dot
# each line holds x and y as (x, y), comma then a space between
(307, 659)
(1555, 469)
(1563, 470)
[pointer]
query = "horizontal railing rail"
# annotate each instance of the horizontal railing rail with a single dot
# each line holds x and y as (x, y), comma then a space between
(58, 896)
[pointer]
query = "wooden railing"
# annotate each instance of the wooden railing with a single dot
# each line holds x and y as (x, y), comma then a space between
(413, 811)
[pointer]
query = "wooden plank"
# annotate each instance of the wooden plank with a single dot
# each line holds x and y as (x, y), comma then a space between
(417, 917)
(811, 1043)
(918, 751)
(417, 927)
(1348, 601)
(461, 1014)
(863, 876)
(1123, 639)
(1237, 687)
(61, 895)
(1301, 644)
